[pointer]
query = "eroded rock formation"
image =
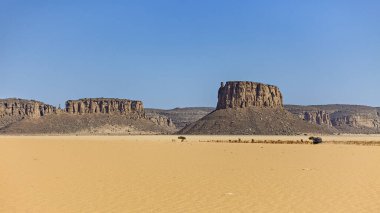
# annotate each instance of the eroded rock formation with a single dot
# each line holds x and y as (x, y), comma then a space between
(357, 121)
(119, 116)
(243, 94)
(248, 108)
(316, 116)
(162, 121)
(24, 108)
(13, 110)
(344, 118)
(105, 106)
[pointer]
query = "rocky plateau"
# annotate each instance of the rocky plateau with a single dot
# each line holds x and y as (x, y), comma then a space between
(18, 116)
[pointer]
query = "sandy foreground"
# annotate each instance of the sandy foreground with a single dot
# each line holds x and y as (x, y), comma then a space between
(161, 174)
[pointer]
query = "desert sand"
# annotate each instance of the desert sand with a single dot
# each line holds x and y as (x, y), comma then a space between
(162, 174)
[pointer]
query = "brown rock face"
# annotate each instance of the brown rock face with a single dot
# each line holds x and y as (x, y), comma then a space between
(357, 121)
(318, 117)
(13, 110)
(24, 108)
(242, 94)
(162, 121)
(354, 119)
(105, 106)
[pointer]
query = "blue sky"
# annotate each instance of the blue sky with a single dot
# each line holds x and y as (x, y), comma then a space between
(175, 53)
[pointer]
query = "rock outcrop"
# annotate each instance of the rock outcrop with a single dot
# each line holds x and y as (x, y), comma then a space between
(344, 118)
(358, 120)
(242, 94)
(83, 116)
(311, 115)
(161, 120)
(181, 116)
(13, 110)
(246, 108)
(105, 106)
(26, 108)
(319, 117)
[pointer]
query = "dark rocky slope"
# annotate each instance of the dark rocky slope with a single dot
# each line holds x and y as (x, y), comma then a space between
(251, 121)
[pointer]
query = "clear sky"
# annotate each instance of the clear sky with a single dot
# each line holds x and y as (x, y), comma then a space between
(175, 53)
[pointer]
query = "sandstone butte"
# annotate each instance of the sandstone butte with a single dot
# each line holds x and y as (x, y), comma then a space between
(242, 94)
(245, 107)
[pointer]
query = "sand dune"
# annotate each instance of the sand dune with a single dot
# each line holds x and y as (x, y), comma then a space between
(161, 174)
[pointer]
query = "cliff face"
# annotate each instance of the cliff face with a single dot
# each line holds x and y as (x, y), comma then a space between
(24, 108)
(319, 117)
(87, 116)
(357, 121)
(105, 106)
(13, 110)
(345, 118)
(115, 106)
(311, 115)
(162, 121)
(243, 94)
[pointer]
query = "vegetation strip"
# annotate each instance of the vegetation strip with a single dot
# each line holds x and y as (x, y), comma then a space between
(363, 143)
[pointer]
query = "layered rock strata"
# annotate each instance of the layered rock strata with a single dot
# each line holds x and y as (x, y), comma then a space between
(357, 121)
(105, 106)
(243, 94)
(344, 118)
(316, 116)
(13, 110)
(161, 121)
(83, 115)
(24, 108)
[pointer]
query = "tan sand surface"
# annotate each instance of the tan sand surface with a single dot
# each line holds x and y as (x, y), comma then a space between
(160, 174)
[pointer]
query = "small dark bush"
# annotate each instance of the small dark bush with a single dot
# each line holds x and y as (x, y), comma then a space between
(316, 140)
(182, 138)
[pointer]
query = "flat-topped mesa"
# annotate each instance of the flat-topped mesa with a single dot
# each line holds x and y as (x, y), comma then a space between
(242, 94)
(14, 107)
(105, 106)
